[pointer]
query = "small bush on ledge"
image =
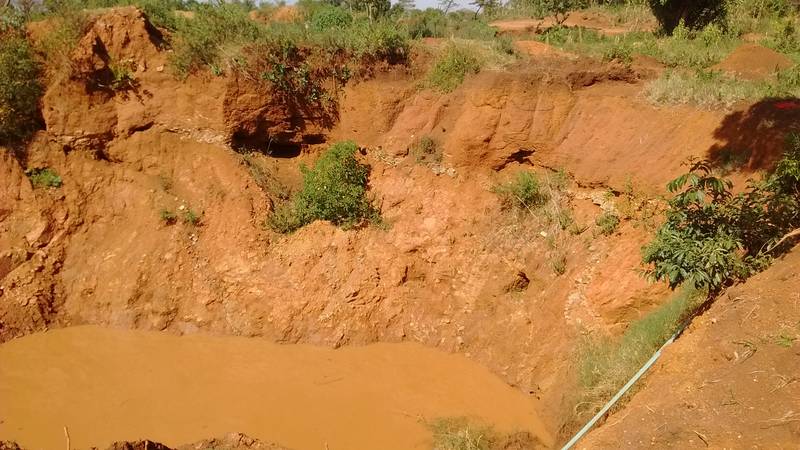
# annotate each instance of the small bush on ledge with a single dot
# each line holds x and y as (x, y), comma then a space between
(44, 178)
(335, 189)
(523, 193)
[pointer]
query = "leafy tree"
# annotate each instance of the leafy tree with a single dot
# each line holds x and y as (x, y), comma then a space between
(19, 81)
(446, 5)
(712, 237)
(694, 14)
(485, 6)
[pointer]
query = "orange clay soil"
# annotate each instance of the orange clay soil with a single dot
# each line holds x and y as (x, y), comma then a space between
(451, 269)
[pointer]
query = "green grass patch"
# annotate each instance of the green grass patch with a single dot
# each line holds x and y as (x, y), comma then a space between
(460, 58)
(335, 189)
(456, 61)
(684, 48)
(605, 365)
(607, 223)
(218, 35)
(167, 216)
(190, 217)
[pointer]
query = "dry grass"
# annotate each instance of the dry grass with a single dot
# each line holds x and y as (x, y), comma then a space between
(460, 434)
(460, 58)
(711, 90)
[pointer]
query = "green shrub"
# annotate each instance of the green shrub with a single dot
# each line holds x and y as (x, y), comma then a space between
(335, 189)
(712, 237)
(607, 223)
(524, 192)
(452, 66)
(330, 17)
(122, 76)
(619, 53)
(191, 217)
(67, 23)
(20, 89)
(44, 178)
(380, 40)
(167, 216)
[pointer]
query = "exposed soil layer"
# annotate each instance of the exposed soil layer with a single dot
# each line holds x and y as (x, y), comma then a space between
(180, 389)
(732, 378)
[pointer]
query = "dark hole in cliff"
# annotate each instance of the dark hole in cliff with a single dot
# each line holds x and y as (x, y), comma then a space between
(244, 143)
(314, 139)
(283, 150)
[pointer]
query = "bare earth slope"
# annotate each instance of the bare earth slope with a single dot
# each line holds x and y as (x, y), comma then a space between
(446, 270)
(731, 381)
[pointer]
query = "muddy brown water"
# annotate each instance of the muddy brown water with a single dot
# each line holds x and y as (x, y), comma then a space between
(106, 385)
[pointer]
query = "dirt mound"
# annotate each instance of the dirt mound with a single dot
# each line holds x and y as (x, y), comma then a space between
(753, 62)
(732, 377)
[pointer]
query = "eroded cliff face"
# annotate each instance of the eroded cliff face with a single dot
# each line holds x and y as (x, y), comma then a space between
(450, 269)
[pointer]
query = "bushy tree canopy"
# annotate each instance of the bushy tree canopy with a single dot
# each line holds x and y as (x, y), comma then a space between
(694, 14)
